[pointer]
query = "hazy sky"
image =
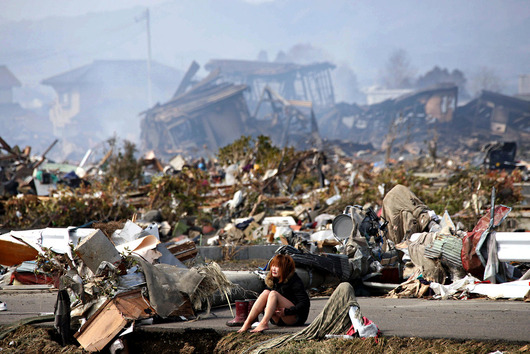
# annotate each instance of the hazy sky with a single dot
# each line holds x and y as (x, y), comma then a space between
(40, 39)
(47, 37)
(16, 10)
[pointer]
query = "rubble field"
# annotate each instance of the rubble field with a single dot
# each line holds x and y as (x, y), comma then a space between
(128, 240)
(30, 339)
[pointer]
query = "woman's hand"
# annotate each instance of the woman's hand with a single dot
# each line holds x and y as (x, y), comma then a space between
(280, 311)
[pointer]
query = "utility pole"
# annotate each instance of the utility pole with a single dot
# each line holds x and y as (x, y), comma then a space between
(149, 94)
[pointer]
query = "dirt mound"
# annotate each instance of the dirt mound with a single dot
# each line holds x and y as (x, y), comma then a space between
(237, 343)
(28, 339)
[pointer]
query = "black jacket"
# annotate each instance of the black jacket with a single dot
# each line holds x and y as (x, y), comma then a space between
(293, 289)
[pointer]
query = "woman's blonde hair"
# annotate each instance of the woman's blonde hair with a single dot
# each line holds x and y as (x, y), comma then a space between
(286, 265)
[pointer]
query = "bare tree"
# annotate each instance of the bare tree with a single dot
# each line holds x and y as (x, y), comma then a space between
(263, 56)
(438, 75)
(346, 85)
(398, 72)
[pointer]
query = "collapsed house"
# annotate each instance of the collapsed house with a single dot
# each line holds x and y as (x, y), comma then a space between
(285, 98)
(493, 116)
(406, 119)
(430, 114)
(295, 105)
(311, 82)
(207, 115)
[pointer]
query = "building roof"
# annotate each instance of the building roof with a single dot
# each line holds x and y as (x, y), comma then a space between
(440, 88)
(115, 71)
(7, 79)
(411, 97)
(260, 68)
(507, 101)
(194, 101)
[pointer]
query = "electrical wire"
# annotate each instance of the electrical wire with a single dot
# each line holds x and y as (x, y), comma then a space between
(32, 59)
(27, 57)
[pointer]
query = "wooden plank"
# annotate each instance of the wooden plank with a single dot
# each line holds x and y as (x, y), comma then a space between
(103, 327)
(185, 310)
(133, 305)
(192, 70)
(108, 321)
(184, 250)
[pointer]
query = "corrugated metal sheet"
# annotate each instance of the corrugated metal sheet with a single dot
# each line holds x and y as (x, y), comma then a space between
(447, 247)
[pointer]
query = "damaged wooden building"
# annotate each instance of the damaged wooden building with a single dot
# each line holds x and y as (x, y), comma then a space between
(295, 106)
(494, 116)
(203, 118)
(416, 119)
(405, 120)
(205, 115)
(304, 82)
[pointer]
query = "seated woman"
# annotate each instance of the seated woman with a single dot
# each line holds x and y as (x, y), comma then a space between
(285, 302)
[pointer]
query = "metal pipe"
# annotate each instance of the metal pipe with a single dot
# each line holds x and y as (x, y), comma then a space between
(250, 285)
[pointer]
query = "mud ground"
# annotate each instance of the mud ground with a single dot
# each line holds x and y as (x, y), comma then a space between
(234, 343)
(29, 339)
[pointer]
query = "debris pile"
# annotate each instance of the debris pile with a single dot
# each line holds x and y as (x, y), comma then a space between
(110, 283)
(450, 262)
(134, 254)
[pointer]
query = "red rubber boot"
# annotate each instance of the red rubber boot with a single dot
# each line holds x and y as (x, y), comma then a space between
(250, 304)
(241, 314)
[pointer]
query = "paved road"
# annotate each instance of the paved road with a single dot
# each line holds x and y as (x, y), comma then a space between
(23, 304)
(456, 319)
